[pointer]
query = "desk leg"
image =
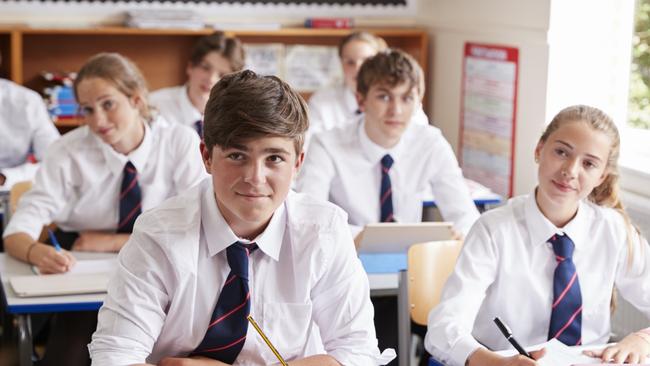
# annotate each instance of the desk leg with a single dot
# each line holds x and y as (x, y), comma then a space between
(403, 320)
(25, 347)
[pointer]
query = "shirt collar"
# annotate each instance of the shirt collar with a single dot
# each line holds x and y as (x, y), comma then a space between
(219, 235)
(540, 229)
(138, 157)
(187, 108)
(374, 152)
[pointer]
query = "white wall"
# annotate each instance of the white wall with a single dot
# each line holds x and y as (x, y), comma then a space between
(517, 23)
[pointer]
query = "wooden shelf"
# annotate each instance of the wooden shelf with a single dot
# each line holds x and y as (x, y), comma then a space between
(161, 54)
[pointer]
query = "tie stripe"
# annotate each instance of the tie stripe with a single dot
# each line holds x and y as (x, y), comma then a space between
(568, 287)
(216, 349)
(569, 322)
(127, 219)
(248, 296)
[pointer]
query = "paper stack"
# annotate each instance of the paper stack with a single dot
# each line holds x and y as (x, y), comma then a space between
(164, 18)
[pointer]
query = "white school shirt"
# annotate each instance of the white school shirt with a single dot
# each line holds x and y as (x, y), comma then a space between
(304, 276)
(174, 104)
(344, 166)
(78, 184)
(24, 125)
(506, 268)
(336, 106)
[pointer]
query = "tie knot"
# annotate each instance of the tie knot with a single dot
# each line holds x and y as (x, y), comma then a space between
(237, 255)
(129, 168)
(562, 246)
(387, 162)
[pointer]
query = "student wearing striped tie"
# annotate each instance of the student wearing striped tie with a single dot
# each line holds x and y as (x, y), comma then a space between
(547, 263)
(212, 57)
(241, 244)
(96, 180)
(382, 168)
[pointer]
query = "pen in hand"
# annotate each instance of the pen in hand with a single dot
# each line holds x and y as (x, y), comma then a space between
(508, 334)
(53, 239)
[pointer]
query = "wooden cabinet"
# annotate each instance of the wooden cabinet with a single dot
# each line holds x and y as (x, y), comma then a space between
(161, 54)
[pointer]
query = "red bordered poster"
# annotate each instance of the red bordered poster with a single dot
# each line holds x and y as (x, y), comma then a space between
(487, 116)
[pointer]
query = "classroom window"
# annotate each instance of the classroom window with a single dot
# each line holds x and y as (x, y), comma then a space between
(635, 156)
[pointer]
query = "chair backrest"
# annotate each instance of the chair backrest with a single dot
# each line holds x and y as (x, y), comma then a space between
(16, 192)
(429, 266)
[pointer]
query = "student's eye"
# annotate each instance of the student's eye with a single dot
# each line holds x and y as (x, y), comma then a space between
(85, 111)
(108, 104)
(589, 164)
(275, 159)
(409, 98)
(205, 67)
(383, 97)
(561, 152)
(236, 156)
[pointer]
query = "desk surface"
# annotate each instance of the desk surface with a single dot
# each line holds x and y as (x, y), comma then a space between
(17, 305)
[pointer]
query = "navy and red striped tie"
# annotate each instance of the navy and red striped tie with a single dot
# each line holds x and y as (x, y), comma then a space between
(130, 199)
(386, 192)
(226, 333)
(566, 314)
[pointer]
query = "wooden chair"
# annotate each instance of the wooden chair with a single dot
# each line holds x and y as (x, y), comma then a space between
(16, 192)
(429, 266)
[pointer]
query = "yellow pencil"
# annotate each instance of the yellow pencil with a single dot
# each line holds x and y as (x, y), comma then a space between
(268, 342)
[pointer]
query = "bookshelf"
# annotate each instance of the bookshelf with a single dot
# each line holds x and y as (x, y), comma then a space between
(161, 54)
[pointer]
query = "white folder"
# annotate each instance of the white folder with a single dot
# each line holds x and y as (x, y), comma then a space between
(59, 284)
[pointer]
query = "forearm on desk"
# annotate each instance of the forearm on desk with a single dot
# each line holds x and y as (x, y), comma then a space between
(18, 245)
(317, 360)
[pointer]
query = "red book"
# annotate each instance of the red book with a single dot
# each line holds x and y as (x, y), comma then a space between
(329, 23)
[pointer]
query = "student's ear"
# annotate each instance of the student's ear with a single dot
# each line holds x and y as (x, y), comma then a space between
(360, 100)
(538, 151)
(299, 160)
(206, 156)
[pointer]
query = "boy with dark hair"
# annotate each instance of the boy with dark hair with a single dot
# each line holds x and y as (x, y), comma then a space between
(241, 244)
(212, 57)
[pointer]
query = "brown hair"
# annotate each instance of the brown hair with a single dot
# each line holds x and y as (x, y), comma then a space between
(607, 193)
(391, 67)
(122, 73)
(374, 41)
(228, 47)
(244, 106)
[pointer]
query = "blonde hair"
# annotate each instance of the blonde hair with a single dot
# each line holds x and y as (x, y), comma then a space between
(122, 73)
(374, 41)
(607, 193)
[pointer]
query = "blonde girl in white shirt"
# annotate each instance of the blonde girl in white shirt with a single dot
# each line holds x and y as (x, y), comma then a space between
(509, 263)
(80, 184)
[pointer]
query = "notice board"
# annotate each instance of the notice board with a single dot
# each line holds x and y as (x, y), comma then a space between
(487, 118)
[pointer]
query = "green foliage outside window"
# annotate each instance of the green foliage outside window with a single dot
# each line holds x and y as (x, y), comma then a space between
(640, 79)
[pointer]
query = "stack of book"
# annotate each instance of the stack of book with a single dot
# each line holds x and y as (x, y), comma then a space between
(163, 18)
(59, 95)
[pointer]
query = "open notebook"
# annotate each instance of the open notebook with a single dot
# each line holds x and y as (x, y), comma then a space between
(393, 237)
(86, 277)
(558, 354)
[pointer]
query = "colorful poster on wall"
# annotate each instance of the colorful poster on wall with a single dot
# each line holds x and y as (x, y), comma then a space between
(487, 118)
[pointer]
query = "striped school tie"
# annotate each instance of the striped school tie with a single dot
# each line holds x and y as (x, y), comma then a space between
(385, 194)
(566, 314)
(130, 199)
(198, 126)
(226, 333)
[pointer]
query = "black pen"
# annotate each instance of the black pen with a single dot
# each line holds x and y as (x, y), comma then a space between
(508, 334)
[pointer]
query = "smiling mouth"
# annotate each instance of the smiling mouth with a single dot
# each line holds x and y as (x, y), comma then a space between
(563, 187)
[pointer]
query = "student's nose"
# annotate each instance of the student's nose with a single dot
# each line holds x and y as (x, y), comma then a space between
(97, 119)
(396, 106)
(570, 169)
(255, 173)
(214, 78)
